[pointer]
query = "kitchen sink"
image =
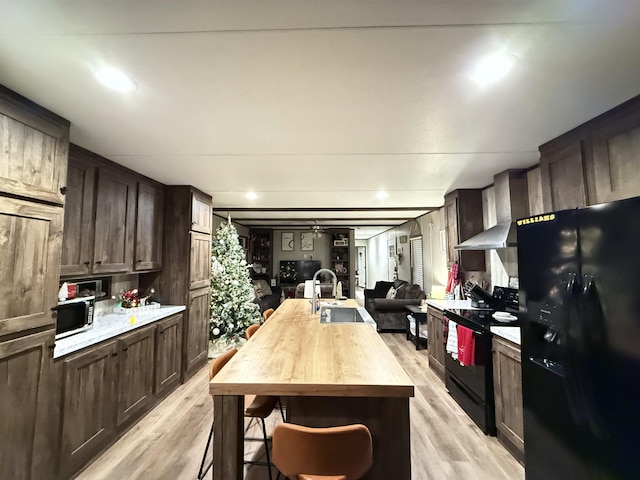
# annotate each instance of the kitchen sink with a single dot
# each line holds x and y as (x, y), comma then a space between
(329, 314)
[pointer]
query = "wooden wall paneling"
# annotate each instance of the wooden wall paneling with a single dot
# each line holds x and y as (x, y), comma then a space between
(562, 174)
(27, 449)
(34, 145)
(168, 356)
(149, 226)
(114, 222)
(199, 261)
(88, 407)
(135, 383)
(201, 213)
(612, 169)
(507, 370)
(78, 239)
(196, 331)
(30, 238)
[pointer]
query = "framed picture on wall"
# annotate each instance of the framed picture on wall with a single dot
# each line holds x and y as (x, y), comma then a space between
(306, 241)
(286, 242)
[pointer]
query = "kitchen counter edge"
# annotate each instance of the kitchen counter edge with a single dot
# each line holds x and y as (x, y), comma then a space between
(110, 326)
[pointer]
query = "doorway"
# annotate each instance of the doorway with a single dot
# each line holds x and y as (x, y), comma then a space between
(361, 272)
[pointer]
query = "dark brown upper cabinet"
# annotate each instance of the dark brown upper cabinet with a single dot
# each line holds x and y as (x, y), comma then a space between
(201, 217)
(114, 222)
(149, 224)
(33, 150)
(113, 218)
(463, 220)
(77, 244)
(613, 172)
(562, 173)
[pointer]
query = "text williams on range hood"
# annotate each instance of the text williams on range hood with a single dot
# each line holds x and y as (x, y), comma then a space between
(512, 202)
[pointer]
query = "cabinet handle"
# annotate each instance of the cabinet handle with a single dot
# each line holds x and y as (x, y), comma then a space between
(125, 349)
(161, 331)
(87, 262)
(63, 190)
(114, 354)
(52, 346)
(98, 262)
(139, 260)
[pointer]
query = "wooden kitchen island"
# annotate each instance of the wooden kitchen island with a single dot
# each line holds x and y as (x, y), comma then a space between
(327, 374)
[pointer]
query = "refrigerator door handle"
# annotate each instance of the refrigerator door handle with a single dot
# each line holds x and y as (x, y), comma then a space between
(570, 381)
(592, 315)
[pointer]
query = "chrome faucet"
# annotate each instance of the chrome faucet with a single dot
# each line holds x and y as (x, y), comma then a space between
(334, 281)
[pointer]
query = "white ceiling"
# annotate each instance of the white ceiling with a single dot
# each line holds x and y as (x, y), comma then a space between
(320, 104)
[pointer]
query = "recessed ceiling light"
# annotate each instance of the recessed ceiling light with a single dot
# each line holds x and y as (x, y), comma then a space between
(381, 195)
(116, 80)
(492, 68)
(251, 195)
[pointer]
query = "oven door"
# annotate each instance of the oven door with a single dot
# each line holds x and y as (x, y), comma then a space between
(478, 377)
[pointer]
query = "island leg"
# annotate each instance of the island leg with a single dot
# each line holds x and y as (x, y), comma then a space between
(228, 437)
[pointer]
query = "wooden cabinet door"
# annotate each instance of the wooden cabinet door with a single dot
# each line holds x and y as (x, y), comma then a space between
(77, 242)
(168, 358)
(24, 381)
(451, 226)
(34, 145)
(88, 406)
(614, 172)
(135, 374)
(149, 222)
(115, 222)
(201, 218)
(196, 335)
(30, 240)
(562, 177)
(435, 329)
(199, 260)
(507, 384)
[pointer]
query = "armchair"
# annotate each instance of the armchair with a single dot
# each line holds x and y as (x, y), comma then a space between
(389, 313)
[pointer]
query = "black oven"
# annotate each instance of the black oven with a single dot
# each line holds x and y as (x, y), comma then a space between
(472, 385)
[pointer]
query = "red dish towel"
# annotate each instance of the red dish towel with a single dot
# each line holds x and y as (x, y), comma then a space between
(466, 346)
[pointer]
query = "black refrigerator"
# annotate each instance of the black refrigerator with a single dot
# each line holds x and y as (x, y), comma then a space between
(580, 314)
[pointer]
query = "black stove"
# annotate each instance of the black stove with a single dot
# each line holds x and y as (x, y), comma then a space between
(472, 385)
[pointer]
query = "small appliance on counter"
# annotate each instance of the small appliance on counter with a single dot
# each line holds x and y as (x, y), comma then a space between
(73, 316)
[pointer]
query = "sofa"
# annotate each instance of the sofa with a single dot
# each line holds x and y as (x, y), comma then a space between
(265, 296)
(389, 313)
(326, 290)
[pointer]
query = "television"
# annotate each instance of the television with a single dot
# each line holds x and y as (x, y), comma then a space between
(293, 272)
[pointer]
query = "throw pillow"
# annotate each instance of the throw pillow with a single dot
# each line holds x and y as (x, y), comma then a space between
(257, 290)
(391, 293)
(264, 287)
(401, 291)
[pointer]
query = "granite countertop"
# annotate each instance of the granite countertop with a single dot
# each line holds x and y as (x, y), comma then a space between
(509, 333)
(112, 325)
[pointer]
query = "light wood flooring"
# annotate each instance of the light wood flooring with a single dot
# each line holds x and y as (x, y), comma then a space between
(168, 443)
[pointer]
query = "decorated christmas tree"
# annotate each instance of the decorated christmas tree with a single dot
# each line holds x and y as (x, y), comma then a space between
(232, 306)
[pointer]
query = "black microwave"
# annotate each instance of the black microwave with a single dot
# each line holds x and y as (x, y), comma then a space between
(74, 316)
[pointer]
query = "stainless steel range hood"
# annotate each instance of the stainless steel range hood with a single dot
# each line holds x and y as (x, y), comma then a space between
(512, 201)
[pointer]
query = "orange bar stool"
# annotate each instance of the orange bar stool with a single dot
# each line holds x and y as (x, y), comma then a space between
(267, 313)
(251, 330)
(334, 453)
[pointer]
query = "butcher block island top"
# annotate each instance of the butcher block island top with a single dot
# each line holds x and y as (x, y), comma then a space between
(294, 354)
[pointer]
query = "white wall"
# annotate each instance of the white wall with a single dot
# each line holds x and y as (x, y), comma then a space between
(377, 259)
(434, 256)
(320, 249)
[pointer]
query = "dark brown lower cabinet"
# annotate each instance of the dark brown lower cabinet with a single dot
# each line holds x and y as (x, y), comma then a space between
(135, 374)
(168, 359)
(196, 338)
(24, 392)
(435, 333)
(88, 406)
(507, 385)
